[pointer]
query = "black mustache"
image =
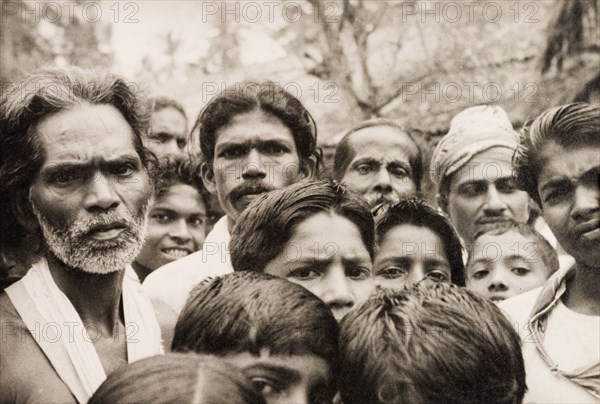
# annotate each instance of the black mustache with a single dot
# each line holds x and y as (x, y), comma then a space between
(249, 189)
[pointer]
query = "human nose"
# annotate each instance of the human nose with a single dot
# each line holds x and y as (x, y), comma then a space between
(383, 181)
(493, 201)
(101, 195)
(254, 167)
(337, 293)
(586, 202)
(179, 231)
(417, 274)
(497, 282)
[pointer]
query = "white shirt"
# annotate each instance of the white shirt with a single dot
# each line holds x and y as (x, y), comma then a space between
(173, 282)
(571, 339)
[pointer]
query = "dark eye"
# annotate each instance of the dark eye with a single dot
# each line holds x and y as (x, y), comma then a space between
(304, 274)
(392, 272)
(438, 276)
(480, 274)
(506, 186)
(266, 387)
(358, 273)
(196, 221)
(159, 137)
(65, 177)
(520, 271)
(162, 217)
(472, 190)
(556, 195)
(122, 170)
(275, 149)
(363, 169)
(232, 152)
(398, 171)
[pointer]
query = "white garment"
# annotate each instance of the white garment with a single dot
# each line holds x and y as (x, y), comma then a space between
(66, 343)
(571, 340)
(173, 282)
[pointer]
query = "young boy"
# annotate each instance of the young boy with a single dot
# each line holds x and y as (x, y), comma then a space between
(509, 258)
(429, 344)
(177, 219)
(281, 335)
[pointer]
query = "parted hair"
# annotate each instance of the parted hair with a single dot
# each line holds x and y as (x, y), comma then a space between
(430, 344)
(267, 224)
(546, 251)
(177, 378)
(265, 96)
(344, 152)
(246, 312)
(415, 211)
(576, 124)
(42, 93)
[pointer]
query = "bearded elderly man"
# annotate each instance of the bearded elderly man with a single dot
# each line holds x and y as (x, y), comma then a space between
(74, 175)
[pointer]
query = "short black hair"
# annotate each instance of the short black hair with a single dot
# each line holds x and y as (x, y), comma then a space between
(171, 171)
(430, 344)
(246, 312)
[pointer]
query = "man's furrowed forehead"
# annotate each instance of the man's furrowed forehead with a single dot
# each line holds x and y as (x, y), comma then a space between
(381, 139)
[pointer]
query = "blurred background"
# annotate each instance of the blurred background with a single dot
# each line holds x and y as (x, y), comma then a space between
(418, 62)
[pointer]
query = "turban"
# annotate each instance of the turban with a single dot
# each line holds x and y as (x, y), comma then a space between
(472, 131)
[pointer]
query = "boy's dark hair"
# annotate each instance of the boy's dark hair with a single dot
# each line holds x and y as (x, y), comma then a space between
(417, 212)
(246, 312)
(430, 344)
(546, 251)
(172, 171)
(344, 153)
(177, 378)
(265, 96)
(570, 125)
(267, 224)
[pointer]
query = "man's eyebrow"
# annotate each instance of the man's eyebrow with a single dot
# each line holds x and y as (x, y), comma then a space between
(364, 160)
(555, 183)
(289, 375)
(482, 260)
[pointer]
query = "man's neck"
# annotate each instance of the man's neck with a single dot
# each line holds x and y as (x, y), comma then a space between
(582, 290)
(96, 298)
(141, 271)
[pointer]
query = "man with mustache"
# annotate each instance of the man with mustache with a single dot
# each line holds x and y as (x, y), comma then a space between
(74, 176)
(254, 138)
(558, 164)
(381, 160)
(471, 166)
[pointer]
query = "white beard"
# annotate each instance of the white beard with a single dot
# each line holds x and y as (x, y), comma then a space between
(72, 246)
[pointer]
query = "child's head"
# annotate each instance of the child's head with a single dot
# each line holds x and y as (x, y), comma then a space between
(177, 378)
(176, 224)
(315, 233)
(282, 336)
(430, 344)
(416, 243)
(507, 259)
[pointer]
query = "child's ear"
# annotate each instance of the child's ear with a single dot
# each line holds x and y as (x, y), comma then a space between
(208, 178)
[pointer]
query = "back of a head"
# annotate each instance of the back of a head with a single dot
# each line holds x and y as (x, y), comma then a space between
(430, 344)
(177, 378)
(248, 312)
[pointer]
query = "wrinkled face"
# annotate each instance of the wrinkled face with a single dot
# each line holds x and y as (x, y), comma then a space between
(168, 135)
(380, 169)
(327, 256)
(482, 192)
(410, 254)
(568, 185)
(176, 226)
(505, 265)
(92, 193)
(301, 379)
(254, 153)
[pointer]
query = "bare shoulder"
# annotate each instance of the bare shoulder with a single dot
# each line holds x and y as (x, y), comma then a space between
(26, 375)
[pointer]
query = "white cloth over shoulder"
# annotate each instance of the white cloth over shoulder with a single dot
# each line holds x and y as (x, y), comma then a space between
(66, 343)
(173, 282)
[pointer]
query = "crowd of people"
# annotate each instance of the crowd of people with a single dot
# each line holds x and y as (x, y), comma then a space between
(137, 269)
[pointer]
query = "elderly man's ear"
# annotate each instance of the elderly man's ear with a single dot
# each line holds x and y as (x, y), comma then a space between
(24, 212)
